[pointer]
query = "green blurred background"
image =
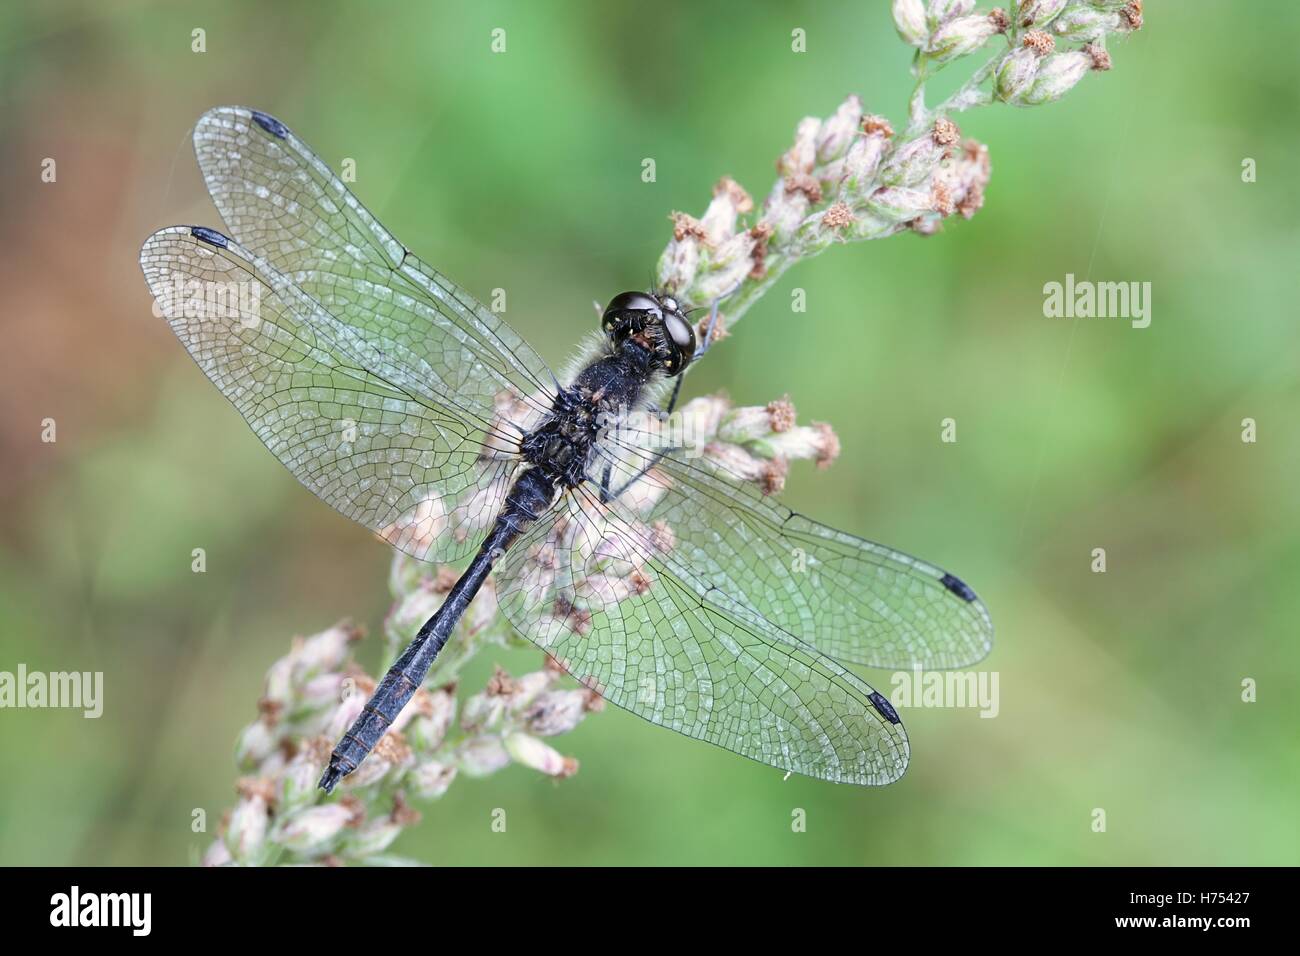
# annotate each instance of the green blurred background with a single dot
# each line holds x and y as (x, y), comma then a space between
(1119, 691)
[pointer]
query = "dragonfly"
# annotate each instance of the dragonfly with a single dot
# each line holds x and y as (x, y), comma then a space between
(656, 578)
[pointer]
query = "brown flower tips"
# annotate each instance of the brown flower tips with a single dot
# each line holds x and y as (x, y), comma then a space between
(1040, 42)
(403, 814)
(1132, 14)
(686, 225)
(1100, 58)
(828, 445)
(781, 410)
(356, 810)
(945, 132)
(736, 192)
(942, 197)
(760, 233)
(838, 216)
(976, 152)
(772, 480)
(872, 125)
(393, 748)
(803, 183)
(256, 788)
(500, 683)
(972, 201)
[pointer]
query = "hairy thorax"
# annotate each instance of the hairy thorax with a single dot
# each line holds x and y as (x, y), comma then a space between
(561, 446)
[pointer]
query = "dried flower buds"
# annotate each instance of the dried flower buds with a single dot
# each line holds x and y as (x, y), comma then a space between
(1015, 74)
(1056, 76)
(314, 830)
(1038, 13)
(1085, 23)
(941, 11)
(909, 20)
(835, 135)
(1131, 15)
(912, 163)
(959, 37)
(531, 752)
(1039, 42)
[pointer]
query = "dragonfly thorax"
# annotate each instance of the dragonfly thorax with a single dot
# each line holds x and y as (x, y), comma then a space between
(601, 393)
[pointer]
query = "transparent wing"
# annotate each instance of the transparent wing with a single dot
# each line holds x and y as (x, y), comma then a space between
(355, 423)
(630, 617)
(853, 600)
(285, 205)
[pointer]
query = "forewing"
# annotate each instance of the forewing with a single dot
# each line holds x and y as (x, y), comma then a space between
(632, 619)
(352, 422)
(283, 204)
(854, 600)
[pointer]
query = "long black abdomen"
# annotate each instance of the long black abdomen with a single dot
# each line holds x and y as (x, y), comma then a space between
(531, 495)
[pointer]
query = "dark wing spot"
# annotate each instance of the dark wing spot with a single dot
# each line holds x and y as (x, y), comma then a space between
(883, 705)
(210, 236)
(270, 124)
(958, 587)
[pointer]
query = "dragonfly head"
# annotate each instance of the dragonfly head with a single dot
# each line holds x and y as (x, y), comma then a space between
(655, 322)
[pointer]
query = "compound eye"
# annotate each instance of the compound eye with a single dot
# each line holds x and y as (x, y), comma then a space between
(682, 335)
(680, 331)
(626, 302)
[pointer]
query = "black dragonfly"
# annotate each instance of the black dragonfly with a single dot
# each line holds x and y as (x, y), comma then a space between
(654, 577)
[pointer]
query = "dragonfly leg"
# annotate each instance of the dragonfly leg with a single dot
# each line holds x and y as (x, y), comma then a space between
(604, 483)
(700, 349)
(708, 329)
(672, 401)
(607, 495)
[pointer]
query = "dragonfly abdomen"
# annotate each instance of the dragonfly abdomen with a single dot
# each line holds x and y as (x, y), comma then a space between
(531, 494)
